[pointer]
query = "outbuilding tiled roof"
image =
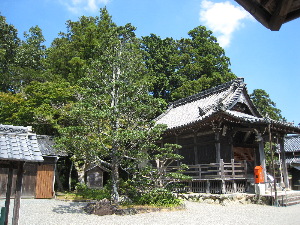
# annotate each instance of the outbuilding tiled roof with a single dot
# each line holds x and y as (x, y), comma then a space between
(17, 143)
(46, 145)
(292, 143)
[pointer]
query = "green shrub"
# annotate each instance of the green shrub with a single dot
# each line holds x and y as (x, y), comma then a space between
(159, 197)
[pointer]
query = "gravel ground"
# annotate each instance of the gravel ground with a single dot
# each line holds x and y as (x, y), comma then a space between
(44, 211)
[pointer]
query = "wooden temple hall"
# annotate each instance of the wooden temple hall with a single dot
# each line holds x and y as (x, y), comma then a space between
(223, 135)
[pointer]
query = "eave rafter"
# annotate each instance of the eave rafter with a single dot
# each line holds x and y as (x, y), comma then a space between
(254, 8)
(272, 19)
(279, 15)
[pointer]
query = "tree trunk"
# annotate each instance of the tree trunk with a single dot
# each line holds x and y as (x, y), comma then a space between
(115, 180)
(115, 145)
(70, 176)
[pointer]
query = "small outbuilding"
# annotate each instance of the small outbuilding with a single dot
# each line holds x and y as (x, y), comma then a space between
(18, 146)
(94, 176)
(38, 178)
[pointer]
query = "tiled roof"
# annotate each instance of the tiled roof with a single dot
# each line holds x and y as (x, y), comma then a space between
(292, 143)
(220, 99)
(200, 106)
(17, 143)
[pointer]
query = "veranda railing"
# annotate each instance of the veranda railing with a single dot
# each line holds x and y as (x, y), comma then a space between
(214, 177)
(222, 171)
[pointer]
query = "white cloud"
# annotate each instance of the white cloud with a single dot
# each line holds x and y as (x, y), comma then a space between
(223, 19)
(81, 6)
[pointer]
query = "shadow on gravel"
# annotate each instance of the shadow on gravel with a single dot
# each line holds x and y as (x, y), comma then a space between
(72, 207)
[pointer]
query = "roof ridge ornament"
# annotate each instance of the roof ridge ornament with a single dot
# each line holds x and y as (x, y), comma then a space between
(236, 82)
(14, 129)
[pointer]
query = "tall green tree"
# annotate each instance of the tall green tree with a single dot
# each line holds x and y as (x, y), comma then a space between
(111, 123)
(203, 63)
(161, 59)
(9, 43)
(265, 105)
(201, 54)
(179, 68)
(30, 58)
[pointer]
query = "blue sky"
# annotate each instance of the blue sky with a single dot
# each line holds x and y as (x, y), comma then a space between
(268, 60)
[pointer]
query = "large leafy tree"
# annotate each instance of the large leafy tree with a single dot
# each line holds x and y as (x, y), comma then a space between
(202, 55)
(179, 68)
(161, 59)
(265, 105)
(72, 52)
(40, 105)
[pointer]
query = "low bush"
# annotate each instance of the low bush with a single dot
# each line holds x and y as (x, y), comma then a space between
(89, 193)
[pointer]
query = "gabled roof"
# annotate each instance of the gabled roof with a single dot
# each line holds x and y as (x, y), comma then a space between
(92, 166)
(272, 13)
(204, 104)
(17, 143)
(229, 100)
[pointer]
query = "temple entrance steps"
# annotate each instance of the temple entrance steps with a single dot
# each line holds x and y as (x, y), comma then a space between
(289, 199)
(284, 198)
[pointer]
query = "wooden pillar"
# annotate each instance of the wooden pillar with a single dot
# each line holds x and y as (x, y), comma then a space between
(217, 132)
(222, 176)
(283, 162)
(195, 149)
(177, 150)
(18, 193)
(262, 156)
(8, 192)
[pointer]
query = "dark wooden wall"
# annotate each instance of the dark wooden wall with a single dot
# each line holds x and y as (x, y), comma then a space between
(32, 187)
(200, 150)
(29, 180)
(203, 149)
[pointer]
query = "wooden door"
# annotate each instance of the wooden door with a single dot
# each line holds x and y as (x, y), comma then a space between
(44, 181)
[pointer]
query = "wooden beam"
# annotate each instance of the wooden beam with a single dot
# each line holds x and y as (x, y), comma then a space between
(279, 14)
(9, 164)
(247, 135)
